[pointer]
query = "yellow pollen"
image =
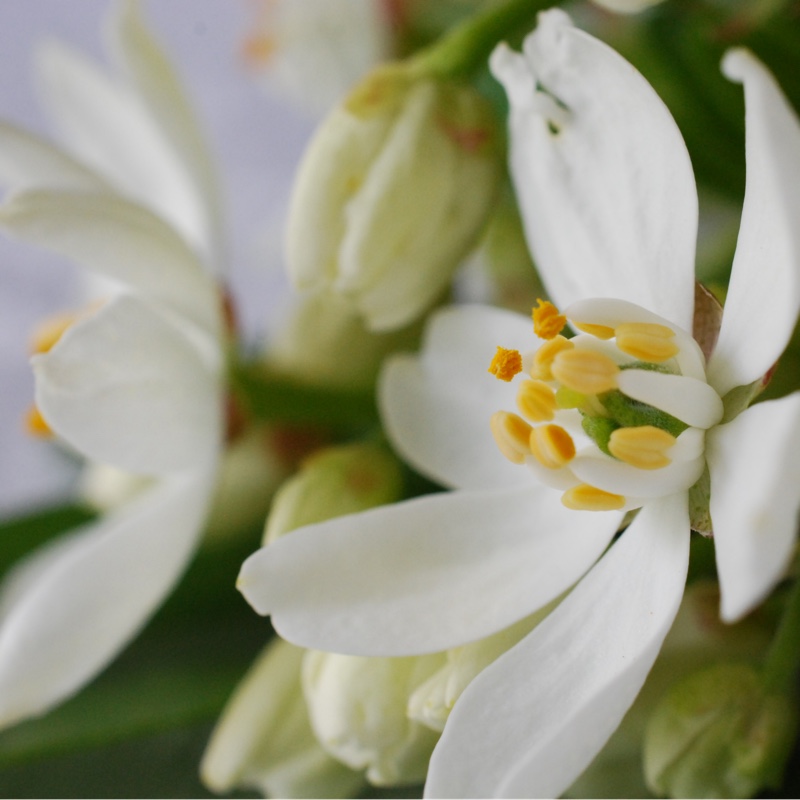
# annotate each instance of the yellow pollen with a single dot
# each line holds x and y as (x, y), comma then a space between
(552, 446)
(585, 371)
(46, 334)
(506, 364)
(643, 447)
(543, 358)
(646, 341)
(547, 322)
(537, 401)
(512, 435)
(600, 331)
(35, 424)
(588, 498)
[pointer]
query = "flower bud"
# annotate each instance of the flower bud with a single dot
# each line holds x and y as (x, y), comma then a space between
(323, 341)
(717, 733)
(264, 741)
(393, 192)
(333, 482)
(357, 707)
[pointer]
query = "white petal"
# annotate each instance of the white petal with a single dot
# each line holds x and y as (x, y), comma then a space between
(107, 127)
(690, 400)
(754, 463)
(617, 477)
(436, 407)
(160, 89)
(125, 387)
(87, 603)
(763, 298)
(118, 239)
(26, 160)
(608, 202)
(531, 722)
(424, 575)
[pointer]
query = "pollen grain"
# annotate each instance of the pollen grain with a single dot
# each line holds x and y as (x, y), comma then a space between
(506, 364)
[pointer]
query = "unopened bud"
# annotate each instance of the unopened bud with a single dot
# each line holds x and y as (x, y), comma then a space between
(393, 192)
(263, 740)
(333, 482)
(357, 707)
(717, 733)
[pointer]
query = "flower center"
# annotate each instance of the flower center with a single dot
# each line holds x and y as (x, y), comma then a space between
(612, 416)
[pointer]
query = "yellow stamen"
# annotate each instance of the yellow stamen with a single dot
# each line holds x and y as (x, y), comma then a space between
(585, 371)
(647, 341)
(547, 322)
(543, 358)
(600, 331)
(35, 424)
(643, 447)
(512, 435)
(537, 401)
(46, 334)
(506, 364)
(588, 498)
(552, 446)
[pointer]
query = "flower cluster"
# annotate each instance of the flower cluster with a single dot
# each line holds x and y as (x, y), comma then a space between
(503, 554)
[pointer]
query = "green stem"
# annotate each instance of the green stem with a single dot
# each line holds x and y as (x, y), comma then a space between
(466, 48)
(783, 657)
(272, 397)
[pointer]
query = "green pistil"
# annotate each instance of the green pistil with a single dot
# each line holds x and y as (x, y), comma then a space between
(599, 429)
(630, 413)
(649, 366)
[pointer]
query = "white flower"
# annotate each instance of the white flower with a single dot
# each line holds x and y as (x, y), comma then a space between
(137, 384)
(609, 203)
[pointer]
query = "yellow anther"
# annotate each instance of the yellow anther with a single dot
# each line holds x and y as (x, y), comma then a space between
(600, 331)
(506, 364)
(588, 498)
(35, 424)
(552, 446)
(543, 358)
(512, 435)
(537, 401)
(643, 447)
(46, 334)
(547, 322)
(585, 371)
(647, 341)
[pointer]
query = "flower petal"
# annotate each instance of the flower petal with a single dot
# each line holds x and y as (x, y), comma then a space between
(91, 599)
(424, 575)
(125, 387)
(26, 161)
(531, 722)
(159, 88)
(106, 125)
(754, 463)
(436, 407)
(121, 240)
(602, 175)
(763, 299)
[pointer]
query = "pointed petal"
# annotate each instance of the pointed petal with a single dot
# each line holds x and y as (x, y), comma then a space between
(754, 463)
(126, 388)
(146, 65)
(763, 299)
(602, 175)
(424, 575)
(121, 240)
(436, 407)
(87, 603)
(531, 722)
(26, 161)
(105, 124)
